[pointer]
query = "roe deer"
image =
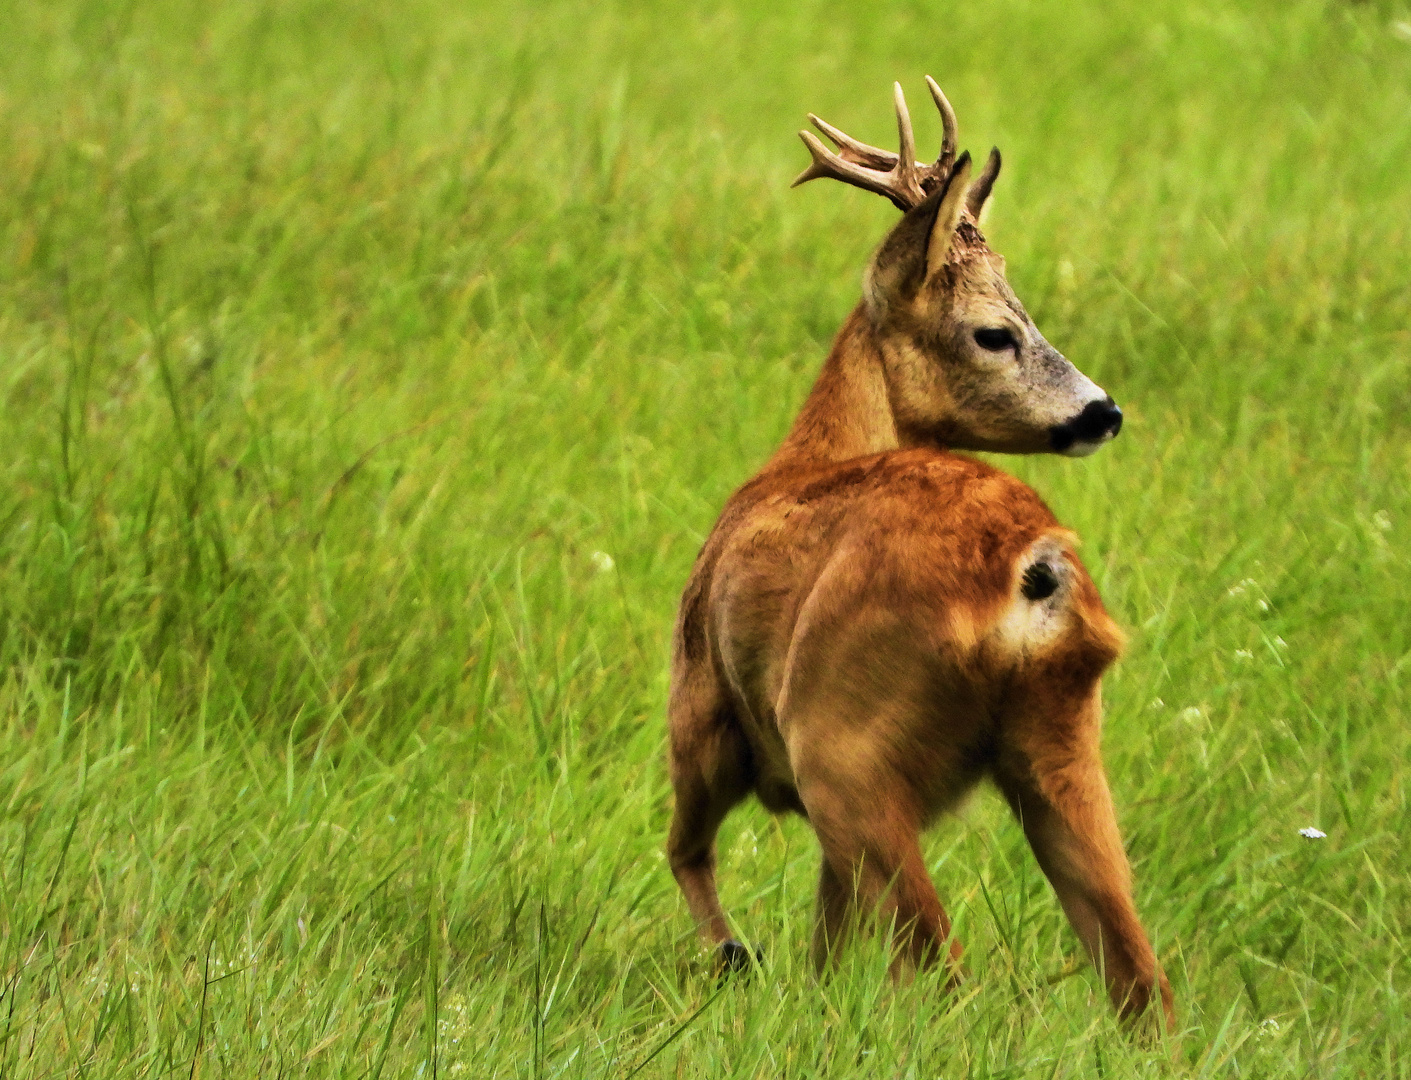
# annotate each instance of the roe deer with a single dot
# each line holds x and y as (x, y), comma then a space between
(876, 622)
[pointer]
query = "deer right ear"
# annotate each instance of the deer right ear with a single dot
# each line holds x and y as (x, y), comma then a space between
(980, 190)
(917, 246)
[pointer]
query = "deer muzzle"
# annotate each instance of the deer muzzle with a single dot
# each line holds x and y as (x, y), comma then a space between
(1099, 422)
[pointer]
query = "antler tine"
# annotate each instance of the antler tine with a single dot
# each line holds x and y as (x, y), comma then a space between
(905, 170)
(948, 124)
(852, 150)
(828, 164)
(900, 177)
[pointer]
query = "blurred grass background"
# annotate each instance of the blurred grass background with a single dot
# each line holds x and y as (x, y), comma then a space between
(369, 378)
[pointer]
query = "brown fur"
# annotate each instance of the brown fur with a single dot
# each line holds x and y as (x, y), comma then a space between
(853, 644)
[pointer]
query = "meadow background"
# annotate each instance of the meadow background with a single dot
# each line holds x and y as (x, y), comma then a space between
(370, 375)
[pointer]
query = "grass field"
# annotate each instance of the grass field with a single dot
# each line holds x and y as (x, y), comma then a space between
(368, 382)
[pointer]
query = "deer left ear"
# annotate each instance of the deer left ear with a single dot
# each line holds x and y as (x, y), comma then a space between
(948, 215)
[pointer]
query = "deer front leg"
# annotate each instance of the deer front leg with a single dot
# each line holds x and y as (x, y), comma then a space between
(1051, 772)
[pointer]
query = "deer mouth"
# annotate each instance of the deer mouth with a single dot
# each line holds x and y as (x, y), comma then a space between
(1098, 423)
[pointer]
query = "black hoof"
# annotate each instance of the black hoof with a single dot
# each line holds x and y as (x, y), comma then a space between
(731, 956)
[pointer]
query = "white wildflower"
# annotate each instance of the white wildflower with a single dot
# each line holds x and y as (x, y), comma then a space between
(1243, 654)
(1381, 519)
(1190, 715)
(1402, 30)
(1311, 833)
(1268, 1028)
(602, 560)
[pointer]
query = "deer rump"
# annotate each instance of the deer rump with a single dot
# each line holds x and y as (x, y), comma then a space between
(874, 615)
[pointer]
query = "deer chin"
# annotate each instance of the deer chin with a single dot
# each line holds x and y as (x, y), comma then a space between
(1085, 448)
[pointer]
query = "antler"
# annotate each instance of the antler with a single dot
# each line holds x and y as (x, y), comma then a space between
(900, 177)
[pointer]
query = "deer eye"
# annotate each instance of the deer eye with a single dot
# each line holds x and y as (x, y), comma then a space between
(995, 339)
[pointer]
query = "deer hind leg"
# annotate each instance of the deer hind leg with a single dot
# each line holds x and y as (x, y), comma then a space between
(711, 772)
(868, 772)
(834, 910)
(867, 818)
(873, 869)
(1051, 772)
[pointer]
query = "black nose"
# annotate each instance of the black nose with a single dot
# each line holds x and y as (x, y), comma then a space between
(1099, 420)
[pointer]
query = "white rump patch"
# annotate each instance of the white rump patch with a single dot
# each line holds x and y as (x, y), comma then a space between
(1037, 612)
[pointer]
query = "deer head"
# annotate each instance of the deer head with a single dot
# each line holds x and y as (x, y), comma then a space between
(964, 365)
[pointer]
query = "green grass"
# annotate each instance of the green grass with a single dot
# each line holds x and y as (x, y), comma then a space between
(334, 345)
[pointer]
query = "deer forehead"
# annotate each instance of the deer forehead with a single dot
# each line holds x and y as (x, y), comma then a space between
(988, 309)
(976, 280)
(984, 275)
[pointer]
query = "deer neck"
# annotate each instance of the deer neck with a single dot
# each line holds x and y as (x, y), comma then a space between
(848, 414)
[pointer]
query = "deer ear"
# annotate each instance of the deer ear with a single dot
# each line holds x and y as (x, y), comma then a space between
(948, 215)
(911, 252)
(979, 194)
